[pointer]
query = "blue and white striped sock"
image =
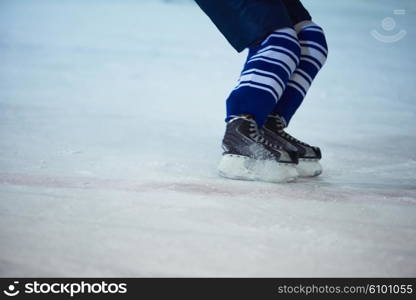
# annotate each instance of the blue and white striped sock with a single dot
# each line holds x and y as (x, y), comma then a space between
(266, 72)
(313, 56)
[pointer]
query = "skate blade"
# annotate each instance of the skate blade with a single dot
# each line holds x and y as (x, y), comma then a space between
(244, 168)
(309, 168)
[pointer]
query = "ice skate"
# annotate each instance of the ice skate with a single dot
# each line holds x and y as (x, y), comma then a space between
(250, 155)
(309, 156)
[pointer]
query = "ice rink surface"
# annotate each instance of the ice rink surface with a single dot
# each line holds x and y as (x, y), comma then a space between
(111, 119)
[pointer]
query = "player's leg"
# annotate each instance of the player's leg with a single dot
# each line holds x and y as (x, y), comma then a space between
(248, 152)
(274, 52)
(313, 57)
(314, 52)
(267, 70)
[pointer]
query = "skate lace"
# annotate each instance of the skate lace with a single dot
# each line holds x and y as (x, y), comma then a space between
(280, 125)
(257, 135)
(286, 135)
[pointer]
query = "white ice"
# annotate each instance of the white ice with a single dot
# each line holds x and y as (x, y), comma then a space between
(111, 119)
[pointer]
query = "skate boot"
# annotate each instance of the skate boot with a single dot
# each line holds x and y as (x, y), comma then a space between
(250, 155)
(308, 155)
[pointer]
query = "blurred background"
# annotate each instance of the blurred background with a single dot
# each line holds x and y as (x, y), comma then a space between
(111, 120)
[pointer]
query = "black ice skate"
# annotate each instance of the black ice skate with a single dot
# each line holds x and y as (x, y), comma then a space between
(251, 155)
(309, 156)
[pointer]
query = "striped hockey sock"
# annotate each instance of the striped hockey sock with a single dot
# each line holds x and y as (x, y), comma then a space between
(266, 72)
(313, 56)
